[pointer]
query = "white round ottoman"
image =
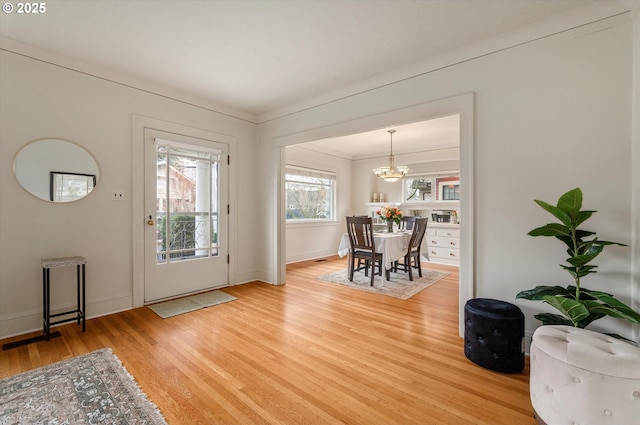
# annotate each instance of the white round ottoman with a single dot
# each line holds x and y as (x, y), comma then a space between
(580, 377)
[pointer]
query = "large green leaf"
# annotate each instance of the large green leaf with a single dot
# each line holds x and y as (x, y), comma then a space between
(582, 217)
(618, 314)
(568, 241)
(571, 202)
(603, 243)
(590, 318)
(553, 319)
(539, 292)
(581, 234)
(585, 270)
(585, 294)
(581, 260)
(593, 294)
(613, 307)
(573, 271)
(585, 246)
(580, 272)
(556, 212)
(569, 307)
(551, 229)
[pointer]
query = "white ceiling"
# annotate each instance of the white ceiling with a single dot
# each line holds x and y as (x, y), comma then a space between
(263, 56)
(439, 133)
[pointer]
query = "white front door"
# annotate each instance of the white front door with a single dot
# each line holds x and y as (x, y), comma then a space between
(186, 204)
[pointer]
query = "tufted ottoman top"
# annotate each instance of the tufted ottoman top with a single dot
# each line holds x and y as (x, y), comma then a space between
(589, 350)
(493, 308)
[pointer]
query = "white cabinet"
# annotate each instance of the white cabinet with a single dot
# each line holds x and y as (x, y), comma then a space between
(442, 240)
(443, 243)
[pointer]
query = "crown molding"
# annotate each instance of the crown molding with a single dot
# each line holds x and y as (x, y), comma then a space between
(102, 73)
(601, 14)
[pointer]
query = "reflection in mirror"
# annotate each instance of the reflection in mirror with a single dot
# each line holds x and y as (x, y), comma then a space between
(56, 170)
(418, 189)
(431, 187)
(449, 188)
(67, 187)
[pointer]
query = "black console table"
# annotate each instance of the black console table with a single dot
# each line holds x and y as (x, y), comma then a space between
(79, 313)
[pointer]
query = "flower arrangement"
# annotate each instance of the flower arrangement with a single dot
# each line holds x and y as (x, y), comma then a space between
(390, 214)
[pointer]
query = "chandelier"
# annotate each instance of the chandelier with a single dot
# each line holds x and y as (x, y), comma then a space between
(391, 173)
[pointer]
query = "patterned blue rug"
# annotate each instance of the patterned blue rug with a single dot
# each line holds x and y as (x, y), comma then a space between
(90, 389)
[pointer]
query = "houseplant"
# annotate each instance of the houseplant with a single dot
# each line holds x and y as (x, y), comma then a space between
(578, 306)
(390, 215)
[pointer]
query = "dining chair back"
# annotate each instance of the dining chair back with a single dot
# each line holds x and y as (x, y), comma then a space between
(407, 222)
(360, 231)
(413, 249)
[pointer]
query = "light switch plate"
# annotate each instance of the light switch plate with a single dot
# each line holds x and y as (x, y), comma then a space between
(117, 195)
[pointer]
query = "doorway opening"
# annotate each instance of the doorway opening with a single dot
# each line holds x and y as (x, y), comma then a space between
(463, 106)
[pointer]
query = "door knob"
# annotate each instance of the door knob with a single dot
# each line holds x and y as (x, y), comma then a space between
(150, 222)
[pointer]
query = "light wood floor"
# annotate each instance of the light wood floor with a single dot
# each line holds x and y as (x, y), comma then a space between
(308, 352)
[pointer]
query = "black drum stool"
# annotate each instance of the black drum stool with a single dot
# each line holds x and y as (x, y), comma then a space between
(493, 334)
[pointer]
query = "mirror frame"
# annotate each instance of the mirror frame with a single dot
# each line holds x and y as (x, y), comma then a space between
(46, 168)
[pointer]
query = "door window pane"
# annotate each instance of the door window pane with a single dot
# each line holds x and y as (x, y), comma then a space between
(187, 203)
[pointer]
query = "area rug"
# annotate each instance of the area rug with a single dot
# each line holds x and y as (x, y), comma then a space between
(398, 287)
(90, 389)
(192, 303)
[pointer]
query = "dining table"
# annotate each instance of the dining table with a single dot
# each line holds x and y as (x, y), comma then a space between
(393, 246)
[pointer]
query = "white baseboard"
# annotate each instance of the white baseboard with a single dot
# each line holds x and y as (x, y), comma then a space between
(32, 321)
(313, 255)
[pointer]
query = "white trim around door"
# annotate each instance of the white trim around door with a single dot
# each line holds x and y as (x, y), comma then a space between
(139, 222)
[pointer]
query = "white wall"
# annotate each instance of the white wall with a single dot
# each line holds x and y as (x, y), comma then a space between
(550, 115)
(41, 100)
(305, 241)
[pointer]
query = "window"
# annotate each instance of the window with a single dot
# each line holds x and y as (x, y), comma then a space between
(309, 194)
(187, 184)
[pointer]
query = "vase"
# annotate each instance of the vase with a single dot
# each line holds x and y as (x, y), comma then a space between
(390, 226)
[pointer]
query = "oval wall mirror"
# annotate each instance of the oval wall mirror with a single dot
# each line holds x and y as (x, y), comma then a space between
(56, 170)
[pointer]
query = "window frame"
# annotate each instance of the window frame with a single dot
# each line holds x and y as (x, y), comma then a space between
(305, 171)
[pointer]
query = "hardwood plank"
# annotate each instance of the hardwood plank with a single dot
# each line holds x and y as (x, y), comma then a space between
(308, 352)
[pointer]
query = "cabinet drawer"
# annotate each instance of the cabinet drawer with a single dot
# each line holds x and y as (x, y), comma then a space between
(437, 241)
(448, 233)
(436, 252)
